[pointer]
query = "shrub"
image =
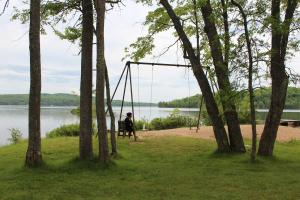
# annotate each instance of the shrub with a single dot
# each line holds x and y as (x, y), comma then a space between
(157, 124)
(174, 120)
(139, 125)
(75, 111)
(66, 130)
(15, 135)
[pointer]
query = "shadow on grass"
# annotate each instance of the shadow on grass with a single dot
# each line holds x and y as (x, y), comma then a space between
(244, 158)
(72, 166)
(91, 164)
(222, 155)
(261, 162)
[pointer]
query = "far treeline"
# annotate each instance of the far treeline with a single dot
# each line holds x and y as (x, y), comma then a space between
(262, 99)
(59, 99)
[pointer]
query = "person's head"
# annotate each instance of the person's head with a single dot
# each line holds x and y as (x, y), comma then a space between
(129, 114)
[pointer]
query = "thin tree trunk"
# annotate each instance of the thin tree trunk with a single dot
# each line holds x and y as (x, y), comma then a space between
(34, 155)
(226, 30)
(222, 72)
(279, 77)
(250, 81)
(86, 120)
(197, 28)
(112, 116)
(211, 106)
(100, 83)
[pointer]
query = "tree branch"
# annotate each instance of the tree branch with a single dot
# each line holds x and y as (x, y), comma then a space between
(4, 7)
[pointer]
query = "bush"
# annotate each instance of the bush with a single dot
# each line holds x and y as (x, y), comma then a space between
(139, 125)
(64, 130)
(67, 130)
(174, 120)
(15, 135)
(75, 111)
(157, 124)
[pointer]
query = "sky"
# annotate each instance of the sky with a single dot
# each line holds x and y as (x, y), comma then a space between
(61, 62)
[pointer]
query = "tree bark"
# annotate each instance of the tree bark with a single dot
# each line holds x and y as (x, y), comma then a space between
(222, 72)
(86, 120)
(226, 30)
(113, 139)
(100, 83)
(212, 109)
(279, 77)
(34, 155)
(197, 27)
(250, 80)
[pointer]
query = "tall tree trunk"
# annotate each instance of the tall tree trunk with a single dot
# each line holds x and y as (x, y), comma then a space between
(250, 80)
(100, 85)
(34, 155)
(86, 120)
(113, 139)
(222, 72)
(268, 137)
(211, 106)
(226, 32)
(195, 9)
(278, 75)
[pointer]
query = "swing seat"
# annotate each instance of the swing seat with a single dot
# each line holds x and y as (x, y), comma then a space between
(122, 128)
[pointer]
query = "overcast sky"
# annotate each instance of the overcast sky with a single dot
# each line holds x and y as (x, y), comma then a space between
(61, 63)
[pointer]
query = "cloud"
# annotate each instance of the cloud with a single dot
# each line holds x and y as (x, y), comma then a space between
(13, 71)
(61, 62)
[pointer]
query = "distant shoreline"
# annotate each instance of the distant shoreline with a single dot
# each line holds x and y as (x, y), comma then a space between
(59, 99)
(184, 108)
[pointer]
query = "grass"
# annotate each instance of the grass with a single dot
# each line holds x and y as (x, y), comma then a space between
(157, 168)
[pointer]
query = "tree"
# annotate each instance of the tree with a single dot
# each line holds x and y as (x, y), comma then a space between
(250, 79)
(56, 12)
(211, 106)
(4, 7)
(86, 122)
(112, 116)
(100, 82)
(222, 72)
(280, 38)
(34, 154)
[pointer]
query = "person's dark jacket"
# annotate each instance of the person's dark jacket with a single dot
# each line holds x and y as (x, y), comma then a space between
(128, 124)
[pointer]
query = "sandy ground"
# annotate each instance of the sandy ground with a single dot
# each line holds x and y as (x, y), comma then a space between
(206, 132)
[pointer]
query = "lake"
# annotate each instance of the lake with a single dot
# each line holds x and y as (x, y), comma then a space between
(53, 117)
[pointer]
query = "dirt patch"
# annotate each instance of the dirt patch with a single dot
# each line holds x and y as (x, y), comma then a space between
(206, 132)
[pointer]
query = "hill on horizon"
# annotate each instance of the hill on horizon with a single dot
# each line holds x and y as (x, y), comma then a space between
(56, 99)
(262, 99)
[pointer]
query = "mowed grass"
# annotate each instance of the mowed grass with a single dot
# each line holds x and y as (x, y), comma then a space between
(156, 168)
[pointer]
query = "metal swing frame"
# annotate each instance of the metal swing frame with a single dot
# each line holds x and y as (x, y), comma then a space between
(127, 70)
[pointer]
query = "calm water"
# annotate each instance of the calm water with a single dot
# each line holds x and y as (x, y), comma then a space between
(53, 117)
(287, 114)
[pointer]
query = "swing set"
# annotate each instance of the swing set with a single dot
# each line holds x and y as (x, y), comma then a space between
(128, 75)
(127, 70)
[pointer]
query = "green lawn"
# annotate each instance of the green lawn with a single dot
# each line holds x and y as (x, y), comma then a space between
(158, 168)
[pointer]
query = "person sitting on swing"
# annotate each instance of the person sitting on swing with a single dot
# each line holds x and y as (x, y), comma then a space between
(129, 124)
